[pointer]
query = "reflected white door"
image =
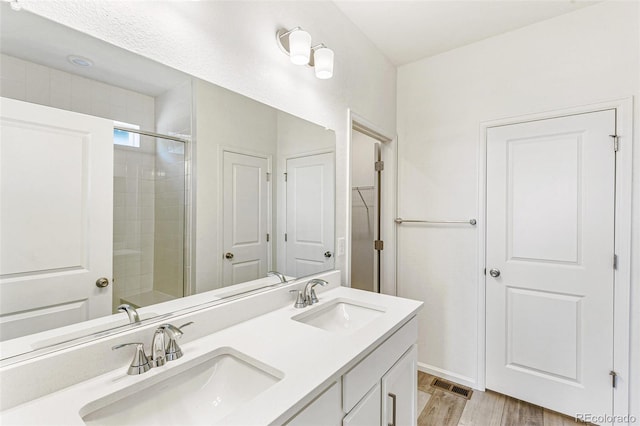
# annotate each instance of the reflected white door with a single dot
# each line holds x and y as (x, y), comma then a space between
(245, 218)
(550, 234)
(310, 214)
(56, 209)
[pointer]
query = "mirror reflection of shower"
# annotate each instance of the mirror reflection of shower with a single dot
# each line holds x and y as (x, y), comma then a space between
(149, 180)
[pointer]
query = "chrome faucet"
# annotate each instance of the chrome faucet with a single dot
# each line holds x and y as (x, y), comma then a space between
(308, 297)
(283, 279)
(158, 348)
(310, 293)
(131, 313)
(161, 350)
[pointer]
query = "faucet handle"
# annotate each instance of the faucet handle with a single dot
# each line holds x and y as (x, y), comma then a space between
(140, 363)
(173, 351)
(300, 300)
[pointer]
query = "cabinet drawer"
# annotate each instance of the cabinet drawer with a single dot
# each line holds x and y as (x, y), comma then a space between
(357, 381)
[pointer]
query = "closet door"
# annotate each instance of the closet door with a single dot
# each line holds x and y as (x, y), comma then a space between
(310, 214)
(245, 219)
(550, 273)
(56, 211)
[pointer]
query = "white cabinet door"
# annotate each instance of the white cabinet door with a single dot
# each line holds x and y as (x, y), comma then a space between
(367, 412)
(245, 218)
(550, 246)
(400, 391)
(310, 215)
(323, 411)
(56, 210)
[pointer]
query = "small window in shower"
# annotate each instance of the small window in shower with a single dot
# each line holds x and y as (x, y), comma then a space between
(124, 138)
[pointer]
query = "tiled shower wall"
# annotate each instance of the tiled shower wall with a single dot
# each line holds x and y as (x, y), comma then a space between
(133, 219)
(133, 226)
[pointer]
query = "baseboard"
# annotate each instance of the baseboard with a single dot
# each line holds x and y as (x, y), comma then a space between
(457, 378)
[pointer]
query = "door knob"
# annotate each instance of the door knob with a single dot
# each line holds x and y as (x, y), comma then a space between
(102, 282)
(327, 254)
(495, 273)
(228, 255)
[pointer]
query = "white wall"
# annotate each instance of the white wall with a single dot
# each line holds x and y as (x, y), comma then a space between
(583, 57)
(233, 44)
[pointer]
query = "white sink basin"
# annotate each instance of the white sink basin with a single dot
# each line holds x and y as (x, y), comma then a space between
(205, 391)
(340, 315)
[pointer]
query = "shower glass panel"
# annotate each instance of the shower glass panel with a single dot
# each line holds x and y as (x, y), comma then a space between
(148, 220)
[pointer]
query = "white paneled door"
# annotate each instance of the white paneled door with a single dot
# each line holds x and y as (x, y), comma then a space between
(245, 218)
(310, 214)
(56, 183)
(550, 253)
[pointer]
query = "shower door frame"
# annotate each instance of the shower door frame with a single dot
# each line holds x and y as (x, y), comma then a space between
(187, 249)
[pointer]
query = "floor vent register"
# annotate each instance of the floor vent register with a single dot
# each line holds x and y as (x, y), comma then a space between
(451, 387)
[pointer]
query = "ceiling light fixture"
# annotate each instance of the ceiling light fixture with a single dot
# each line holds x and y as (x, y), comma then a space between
(80, 61)
(296, 43)
(15, 5)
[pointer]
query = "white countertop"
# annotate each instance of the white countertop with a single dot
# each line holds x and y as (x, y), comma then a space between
(309, 359)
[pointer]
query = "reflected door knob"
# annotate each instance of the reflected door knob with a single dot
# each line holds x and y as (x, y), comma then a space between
(327, 254)
(228, 255)
(495, 273)
(102, 282)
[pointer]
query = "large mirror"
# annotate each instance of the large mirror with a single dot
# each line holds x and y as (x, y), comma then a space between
(128, 182)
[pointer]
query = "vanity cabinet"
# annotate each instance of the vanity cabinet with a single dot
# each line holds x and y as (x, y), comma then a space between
(383, 383)
(367, 412)
(400, 390)
(391, 368)
(322, 411)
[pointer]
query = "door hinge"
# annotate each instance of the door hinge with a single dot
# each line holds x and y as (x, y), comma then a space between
(285, 176)
(268, 177)
(485, 271)
(614, 378)
(616, 144)
(285, 237)
(267, 237)
(615, 261)
(379, 166)
(378, 245)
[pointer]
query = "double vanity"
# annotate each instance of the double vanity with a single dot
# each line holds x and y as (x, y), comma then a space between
(270, 358)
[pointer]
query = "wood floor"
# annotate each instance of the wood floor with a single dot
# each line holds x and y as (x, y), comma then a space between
(483, 409)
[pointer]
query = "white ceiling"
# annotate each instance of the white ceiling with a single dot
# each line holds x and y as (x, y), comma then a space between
(36, 39)
(406, 31)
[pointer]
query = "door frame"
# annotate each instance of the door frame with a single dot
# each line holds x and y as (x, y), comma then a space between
(387, 283)
(623, 219)
(220, 249)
